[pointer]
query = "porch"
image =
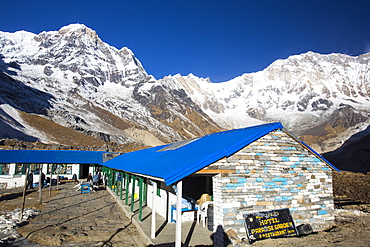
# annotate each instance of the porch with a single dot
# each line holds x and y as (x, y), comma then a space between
(192, 234)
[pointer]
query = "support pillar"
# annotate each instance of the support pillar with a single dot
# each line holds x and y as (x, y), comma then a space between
(153, 226)
(133, 194)
(178, 214)
(140, 198)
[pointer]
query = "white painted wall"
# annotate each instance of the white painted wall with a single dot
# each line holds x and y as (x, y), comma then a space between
(18, 180)
(164, 201)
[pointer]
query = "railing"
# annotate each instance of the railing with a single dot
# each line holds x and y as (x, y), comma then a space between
(121, 183)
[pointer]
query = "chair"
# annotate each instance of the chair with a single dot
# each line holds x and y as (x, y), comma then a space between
(202, 212)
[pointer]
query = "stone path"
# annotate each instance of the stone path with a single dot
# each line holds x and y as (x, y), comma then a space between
(91, 219)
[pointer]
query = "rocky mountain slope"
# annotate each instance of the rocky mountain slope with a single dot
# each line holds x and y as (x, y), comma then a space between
(70, 87)
(70, 78)
(354, 154)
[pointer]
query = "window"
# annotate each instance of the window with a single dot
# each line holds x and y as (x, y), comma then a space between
(4, 169)
(35, 168)
(20, 169)
(59, 169)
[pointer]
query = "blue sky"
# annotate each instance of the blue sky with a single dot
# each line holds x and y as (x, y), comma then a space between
(209, 38)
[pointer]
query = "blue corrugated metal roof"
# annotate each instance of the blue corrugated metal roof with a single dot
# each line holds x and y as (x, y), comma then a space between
(173, 165)
(175, 161)
(51, 156)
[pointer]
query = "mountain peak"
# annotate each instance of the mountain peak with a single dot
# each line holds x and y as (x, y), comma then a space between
(73, 27)
(78, 29)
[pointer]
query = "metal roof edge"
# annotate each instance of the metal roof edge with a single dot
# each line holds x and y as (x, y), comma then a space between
(178, 175)
(311, 150)
(51, 150)
(139, 174)
(48, 161)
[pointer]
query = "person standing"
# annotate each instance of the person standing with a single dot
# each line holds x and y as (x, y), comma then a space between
(89, 178)
(74, 178)
(30, 180)
(42, 182)
(96, 179)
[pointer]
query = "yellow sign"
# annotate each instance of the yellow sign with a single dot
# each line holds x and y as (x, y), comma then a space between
(269, 224)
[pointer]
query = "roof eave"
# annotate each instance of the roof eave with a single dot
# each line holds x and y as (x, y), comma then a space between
(311, 150)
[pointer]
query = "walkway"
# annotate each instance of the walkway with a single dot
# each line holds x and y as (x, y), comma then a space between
(192, 233)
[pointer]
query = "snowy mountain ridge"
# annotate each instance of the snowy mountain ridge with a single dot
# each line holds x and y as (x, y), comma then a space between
(72, 78)
(310, 83)
(83, 84)
(303, 91)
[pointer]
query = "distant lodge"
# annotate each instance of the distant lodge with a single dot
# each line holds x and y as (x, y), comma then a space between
(53, 163)
(13, 174)
(243, 171)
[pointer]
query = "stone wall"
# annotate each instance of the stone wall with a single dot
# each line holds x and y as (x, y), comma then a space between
(271, 173)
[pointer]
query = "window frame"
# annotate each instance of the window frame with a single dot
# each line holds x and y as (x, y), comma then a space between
(62, 169)
(2, 169)
(22, 170)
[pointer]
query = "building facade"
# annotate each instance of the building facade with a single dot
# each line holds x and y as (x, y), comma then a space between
(63, 163)
(273, 172)
(14, 173)
(244, 171)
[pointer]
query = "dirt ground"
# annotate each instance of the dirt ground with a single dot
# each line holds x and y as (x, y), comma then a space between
(12, 198)
(71, 218)
(351, 199)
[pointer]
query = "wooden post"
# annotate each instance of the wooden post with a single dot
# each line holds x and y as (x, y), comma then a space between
(40, 185)
(127, 188)
(120, 195)
(110, 180)
(154, 185)
(178, 214)
(114, 181)
(145, 191)
(24, 194)
(133, 194)
(57, 179)
(140, 198)
(51, 181)
(117, 183)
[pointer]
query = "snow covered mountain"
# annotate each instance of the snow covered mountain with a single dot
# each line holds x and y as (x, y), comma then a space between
(73, 79)
(324, 99)
(68, 86)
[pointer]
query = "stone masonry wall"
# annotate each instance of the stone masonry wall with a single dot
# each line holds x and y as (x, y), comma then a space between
(271, 173)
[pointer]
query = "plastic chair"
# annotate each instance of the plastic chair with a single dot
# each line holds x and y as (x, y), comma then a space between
(202, 212)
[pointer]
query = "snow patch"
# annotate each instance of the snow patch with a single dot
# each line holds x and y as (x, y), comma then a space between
(10, 220)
